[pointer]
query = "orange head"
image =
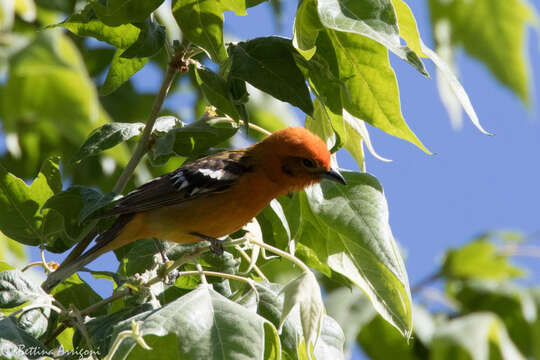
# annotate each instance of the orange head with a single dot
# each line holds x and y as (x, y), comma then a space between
(295, 158)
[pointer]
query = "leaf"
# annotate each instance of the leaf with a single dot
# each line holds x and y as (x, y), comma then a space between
(118, 12)
(375, 19)
(480, 336)
(216, 90)
(514, 306)
(195, 137)
(106, 137)
(13, 338)
(408, 29)
(362, 248)
(305, 291)
(21, 218)
(74, 290)
(48, 87)
(371, 88)
(479, 260)
(206, 325)
(268, 64)
(306, 28)
(331, 341)
(201, 22)
(494, 33)
(380, 341)
(86, 23)
(120, 71)
(274, 225)
(16, 289)
(352, 310)
(151, 40)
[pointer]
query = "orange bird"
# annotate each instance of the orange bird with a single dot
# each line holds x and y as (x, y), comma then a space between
(213, 196)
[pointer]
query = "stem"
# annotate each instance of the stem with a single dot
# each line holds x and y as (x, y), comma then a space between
(281, 253)
(89, 310)
(200, 271)
(140, 150)
(44, 262)
(423, 283)
(241, 122)
(248, 259)
(142, 145)
(37, 263)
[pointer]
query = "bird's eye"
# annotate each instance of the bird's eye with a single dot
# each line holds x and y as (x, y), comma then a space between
(308, 163)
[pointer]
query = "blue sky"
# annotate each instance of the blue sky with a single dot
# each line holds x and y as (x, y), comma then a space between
(474, 182)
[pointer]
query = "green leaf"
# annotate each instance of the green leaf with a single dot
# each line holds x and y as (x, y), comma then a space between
(352, 310)
(477, 336)
(514, 306)
(75, 291)
(151, 40)
(118, 12)
(380, 341)
(13, 338)
(268, 64)
(195, 137)
(306, 28)
(331, 341)
(408, 29)
(305, 291)
(16, 289)
(106, 137)
(201, 22)
(479, 260)
(86, 23)
(375, 19)
(120, 71)
(207, 326)
(274, 225)
(217, 92)
(48, 87)
(492, 32)
(21, 218)
(371, 91)
(362, 248)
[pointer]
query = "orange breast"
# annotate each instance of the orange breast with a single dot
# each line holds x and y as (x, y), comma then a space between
(214, 215)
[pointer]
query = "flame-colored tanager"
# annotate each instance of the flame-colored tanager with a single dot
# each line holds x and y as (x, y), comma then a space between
(213, 196)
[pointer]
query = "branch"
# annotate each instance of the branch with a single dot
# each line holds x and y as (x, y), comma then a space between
(423, 283)
(281, 253)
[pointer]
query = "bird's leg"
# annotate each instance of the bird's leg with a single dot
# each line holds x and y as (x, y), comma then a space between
(161, 249)
(173, 275)
(215, 244)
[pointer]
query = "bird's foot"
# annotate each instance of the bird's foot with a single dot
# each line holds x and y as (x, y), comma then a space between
(216, 246)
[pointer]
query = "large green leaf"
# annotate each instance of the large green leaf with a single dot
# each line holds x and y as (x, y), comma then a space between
(494, 33)
(118, 12)
(479, 260)
(201, 22)
(106, 137)
(151, 39)
(370, 90)
(86, 23)
(306, 28)
(268, 64)
(120, 71)
(216, 90)
(48, 86)
(478, 336)
(351, 236)
(21, 218)
(13, 338)
(203, 325)
(375, 19)
(75, 291)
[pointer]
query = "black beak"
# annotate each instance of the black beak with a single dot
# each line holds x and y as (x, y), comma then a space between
(333, 175)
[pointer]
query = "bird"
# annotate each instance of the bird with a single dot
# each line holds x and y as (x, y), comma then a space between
(213, 196)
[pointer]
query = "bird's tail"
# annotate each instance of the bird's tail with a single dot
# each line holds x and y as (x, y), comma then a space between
(65, 270)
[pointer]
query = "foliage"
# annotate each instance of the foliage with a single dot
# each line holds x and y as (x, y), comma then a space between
(69, 105)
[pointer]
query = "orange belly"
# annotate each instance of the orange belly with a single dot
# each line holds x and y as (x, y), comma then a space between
(213, 215)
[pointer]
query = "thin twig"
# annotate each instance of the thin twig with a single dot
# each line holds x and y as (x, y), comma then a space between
(255, 267)
(89, 310)
(423, 283)
(281, 253)
(241, 122)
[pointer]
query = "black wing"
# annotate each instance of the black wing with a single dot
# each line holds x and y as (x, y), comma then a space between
(211, 174)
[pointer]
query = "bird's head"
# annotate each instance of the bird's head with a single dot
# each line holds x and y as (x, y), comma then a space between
(296, 158)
